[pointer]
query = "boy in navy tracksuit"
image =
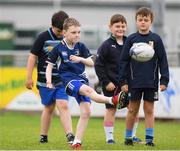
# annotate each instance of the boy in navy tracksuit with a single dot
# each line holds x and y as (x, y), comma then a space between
(144, 76)
(107, 70)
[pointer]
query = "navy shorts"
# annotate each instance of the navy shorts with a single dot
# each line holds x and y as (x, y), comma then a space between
(49, 96)
(148, 94)
(72, 89)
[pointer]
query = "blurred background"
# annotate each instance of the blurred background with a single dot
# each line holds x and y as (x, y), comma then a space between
(22, 20)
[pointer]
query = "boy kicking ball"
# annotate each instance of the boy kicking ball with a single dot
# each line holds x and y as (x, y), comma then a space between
(74, 56)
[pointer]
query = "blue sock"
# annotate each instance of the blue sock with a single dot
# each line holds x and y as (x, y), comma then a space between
(149, 135)
(128, 133)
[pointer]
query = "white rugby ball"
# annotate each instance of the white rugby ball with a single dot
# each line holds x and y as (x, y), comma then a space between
(141, 52)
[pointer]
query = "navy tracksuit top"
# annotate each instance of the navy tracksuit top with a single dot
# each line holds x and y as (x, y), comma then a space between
(144, 74)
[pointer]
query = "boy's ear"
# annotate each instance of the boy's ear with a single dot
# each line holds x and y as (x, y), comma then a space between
(63, 31)
(110, 26)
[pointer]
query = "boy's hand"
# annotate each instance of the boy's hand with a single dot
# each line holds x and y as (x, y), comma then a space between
(125, 88)
(110, 86)
(29, 84)
(163, 87)
(49, 85)
(75, 58)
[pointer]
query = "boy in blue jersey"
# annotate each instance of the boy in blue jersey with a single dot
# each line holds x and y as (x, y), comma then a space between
(74, 56)
(144, 76)
(107, 70)
(49, 97)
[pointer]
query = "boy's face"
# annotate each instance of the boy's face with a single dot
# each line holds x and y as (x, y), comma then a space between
(118, 29)
(143, 23)
(72, 34)
(58, 32)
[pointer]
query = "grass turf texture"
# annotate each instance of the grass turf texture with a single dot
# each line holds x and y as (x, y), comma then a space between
(20, 131)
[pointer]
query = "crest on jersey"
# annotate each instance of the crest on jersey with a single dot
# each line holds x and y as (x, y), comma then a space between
(50, 48)
(64, 53)
(151, 43)
(77, 52)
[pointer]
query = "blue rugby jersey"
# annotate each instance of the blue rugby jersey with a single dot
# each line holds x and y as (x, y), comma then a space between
(144, 74)
(44, 43)
(69, 70)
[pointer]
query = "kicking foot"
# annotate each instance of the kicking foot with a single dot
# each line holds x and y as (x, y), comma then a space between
(76, 146)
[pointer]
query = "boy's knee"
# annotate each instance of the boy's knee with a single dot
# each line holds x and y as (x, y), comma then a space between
(62, 106)
(49, 109)
(149, 112)
(89, 91)
(133, 112)
(86, 114)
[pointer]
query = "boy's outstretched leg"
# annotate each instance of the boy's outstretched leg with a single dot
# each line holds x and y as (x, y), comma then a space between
(86, 90)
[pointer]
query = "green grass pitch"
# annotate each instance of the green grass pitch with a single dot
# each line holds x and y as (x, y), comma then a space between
(20, 131)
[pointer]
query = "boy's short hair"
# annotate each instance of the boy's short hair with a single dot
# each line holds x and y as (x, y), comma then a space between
(117, 18)
(70, 22)
(144, 11)
(58, 19)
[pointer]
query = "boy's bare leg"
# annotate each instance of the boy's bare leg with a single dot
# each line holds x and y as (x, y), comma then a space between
(93, 95)
(65, 115)
(46, 117)
(83, 121)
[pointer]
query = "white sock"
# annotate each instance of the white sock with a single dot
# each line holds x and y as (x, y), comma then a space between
(109, 132)
(110, 100)
(134, 129)
(76, 141)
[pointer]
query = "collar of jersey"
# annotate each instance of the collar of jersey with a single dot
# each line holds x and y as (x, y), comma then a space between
(71, 48)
